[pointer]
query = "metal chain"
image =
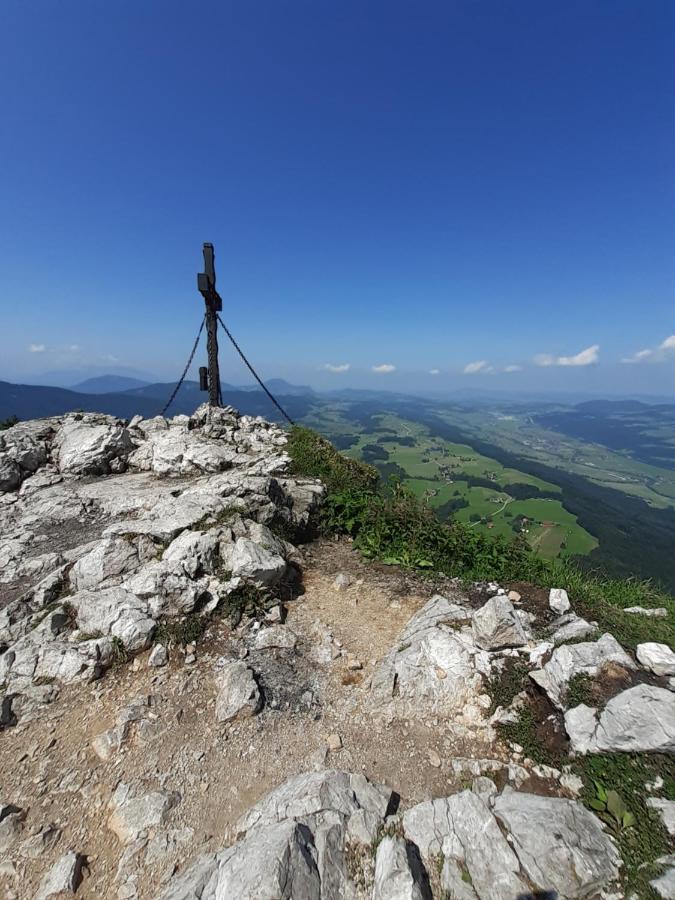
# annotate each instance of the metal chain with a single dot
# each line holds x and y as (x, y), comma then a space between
(185, 370)
(254, 373)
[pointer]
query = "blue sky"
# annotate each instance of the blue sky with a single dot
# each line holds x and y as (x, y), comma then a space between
(416, 186)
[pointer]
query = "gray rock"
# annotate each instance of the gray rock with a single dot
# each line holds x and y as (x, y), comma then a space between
(658, 658)
(641, 718)
(657, 612)
(560, 844)
(571, 628)
(238, 695)
(132, 816)
(275, 861)
(497, 625)
(342, 582)
(559, 601)
(568, 661)
(434, 667)
(159, 656)
(85, 448)
(108, 562)
(276, 636)
(462, 828)
(399, 874)
(248, 560)
(64, 876)
(667, 810)
(116, 612)
(665, 884)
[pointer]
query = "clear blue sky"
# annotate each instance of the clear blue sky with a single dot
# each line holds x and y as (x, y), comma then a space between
(428, 186)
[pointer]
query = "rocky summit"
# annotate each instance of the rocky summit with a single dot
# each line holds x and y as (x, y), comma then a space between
(203, 698)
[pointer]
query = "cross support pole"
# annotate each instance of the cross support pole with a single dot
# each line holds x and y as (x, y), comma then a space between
(206, 284)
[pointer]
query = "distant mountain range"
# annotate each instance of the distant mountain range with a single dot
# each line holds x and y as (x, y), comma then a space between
(27, 401)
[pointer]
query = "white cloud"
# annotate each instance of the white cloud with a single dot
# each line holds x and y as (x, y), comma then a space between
(36, 348)
(342, 367)
(584, 358)
(73, 348)
(661, 353)
(384, 369)
(434, 371)
(640, 356)
(513, 368)
(481, 365)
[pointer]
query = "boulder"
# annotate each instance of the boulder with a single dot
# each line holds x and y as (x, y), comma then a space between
(656, 612)
(238, 695)
(159, 656)
(63, 878)
(568, 661)
(434, 667)
(109, 561)
(116, 612)
(560, 844)
(640, 719)
(85, 448)
(664, 885)
(399, 874)
(658, 658)
(462, 829)
(559, 601)
(276, 636)
(497, 625)
(248, 560)
(132, 816)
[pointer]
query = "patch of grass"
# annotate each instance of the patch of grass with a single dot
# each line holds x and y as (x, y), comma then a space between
(246, 600)
(314, 456)
(181, 632)
(579, 690)
(8, 423)
(646, 840)
(524, 732)
(119, 651)
(505, 685)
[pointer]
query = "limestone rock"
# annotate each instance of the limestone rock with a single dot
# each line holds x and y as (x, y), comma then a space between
(133, 816)
(434, 667)
(664, 885)
(658, 658)
(560, 844)
(658, 612)
(86, 448)
(116, 612)
(399, 874)
(462, 829)
(497, 625)
(667, 811)
(248, 560)
(64, 876)
(567, 661)
(159, 656)
(571, 627)
(280, 637)
(559, 601)
(641, 718)
(238, 693)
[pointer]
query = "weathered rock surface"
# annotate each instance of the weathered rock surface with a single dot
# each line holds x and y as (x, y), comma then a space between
(178, 524)
(238, 695)
(497, 625)
(63, 878)
(639, 719)
(462, 829)
(399, 874)
(560, 844)
(658, 658)
(435, 666)
(585, 658)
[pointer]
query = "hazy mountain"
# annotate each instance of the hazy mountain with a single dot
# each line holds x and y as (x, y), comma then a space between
(72, 378)
(108, 384)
